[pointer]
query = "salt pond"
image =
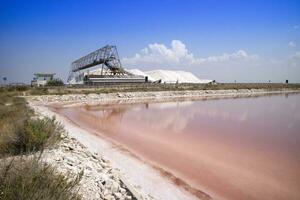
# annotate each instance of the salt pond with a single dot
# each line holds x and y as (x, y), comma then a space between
(242, 148)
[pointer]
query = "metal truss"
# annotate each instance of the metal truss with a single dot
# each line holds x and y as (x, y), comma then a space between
(107, 55)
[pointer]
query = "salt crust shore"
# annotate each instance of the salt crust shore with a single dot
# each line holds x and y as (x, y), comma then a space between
(123, 97)
(102, 179)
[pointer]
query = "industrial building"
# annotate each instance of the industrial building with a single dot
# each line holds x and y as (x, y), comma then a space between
(108, 70)
(41, 79)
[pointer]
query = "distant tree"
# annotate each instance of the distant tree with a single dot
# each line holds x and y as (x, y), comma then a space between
(55, 82)
(4, 80)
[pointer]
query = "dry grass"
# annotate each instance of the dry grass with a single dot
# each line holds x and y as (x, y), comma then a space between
(143, 87)
(30, 179)
(140, 87)
(21, 133)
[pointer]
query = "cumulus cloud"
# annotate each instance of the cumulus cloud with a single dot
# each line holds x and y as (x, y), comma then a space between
(227, 67)
(159, 53)
(236, 56)
(178, 54)
(292, 44)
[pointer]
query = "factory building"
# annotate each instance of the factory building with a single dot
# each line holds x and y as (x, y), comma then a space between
(41, 79)
(108, 70)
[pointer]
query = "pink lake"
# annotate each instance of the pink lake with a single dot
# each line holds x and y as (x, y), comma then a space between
(242, 148)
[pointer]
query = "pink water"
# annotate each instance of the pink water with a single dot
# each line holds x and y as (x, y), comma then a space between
(243, 148)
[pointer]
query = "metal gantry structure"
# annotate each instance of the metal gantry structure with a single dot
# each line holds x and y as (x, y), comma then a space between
(107, 56)
(108, 59)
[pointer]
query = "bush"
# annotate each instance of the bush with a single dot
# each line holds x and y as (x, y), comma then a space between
(39, 91)
(29, 136)
(30, 179)
(13, 107)
(42, 132)
(20, 133)
(21, 88)
(55, 82)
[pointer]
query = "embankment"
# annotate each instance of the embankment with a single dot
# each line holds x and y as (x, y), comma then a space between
(120, 97)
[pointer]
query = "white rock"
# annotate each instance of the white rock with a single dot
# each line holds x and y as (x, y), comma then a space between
(122, 190)
(115, 187)
(118, 195)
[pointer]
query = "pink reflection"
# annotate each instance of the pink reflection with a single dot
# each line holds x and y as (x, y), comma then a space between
(246, 148)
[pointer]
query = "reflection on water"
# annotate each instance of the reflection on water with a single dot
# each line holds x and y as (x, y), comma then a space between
(244, 148)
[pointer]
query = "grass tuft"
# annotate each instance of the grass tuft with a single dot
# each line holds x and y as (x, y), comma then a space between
(20, 133)
(27, 177)
(38, 91)
(29, 136)
(30, 179)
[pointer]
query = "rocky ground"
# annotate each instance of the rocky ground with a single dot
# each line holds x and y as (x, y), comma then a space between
(100, 180)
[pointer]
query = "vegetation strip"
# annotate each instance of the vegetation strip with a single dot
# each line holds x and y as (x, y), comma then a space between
(56, 89)
(40, 161)
(23, 176)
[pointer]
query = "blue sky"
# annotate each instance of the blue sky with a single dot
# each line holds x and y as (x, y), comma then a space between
(247, 41)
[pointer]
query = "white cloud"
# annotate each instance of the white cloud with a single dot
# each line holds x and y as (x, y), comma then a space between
(292, 44)
(295, 26)
(239, 65)
(296, 56)
(158, 55)
(236, 56)
(295, 59)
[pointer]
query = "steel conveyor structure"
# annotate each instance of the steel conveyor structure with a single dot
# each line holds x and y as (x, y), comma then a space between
(111, 70)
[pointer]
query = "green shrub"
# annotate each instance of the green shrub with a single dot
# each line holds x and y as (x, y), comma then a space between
(55, 82)
(40, 133)
(30, 179)
(39, 91)
(19, 132)
(13, 107)
(21, 88)
(28, 136)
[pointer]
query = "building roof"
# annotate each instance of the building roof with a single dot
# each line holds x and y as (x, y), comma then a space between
(44, 74)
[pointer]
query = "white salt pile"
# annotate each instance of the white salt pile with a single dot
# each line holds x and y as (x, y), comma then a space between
(169, 76)
(166, 76)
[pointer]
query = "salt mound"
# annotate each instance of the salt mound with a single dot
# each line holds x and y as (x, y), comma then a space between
(138, 72)
(169, 76)
(166, 76)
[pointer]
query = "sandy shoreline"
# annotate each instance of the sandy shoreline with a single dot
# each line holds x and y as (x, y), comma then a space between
(149, 180)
